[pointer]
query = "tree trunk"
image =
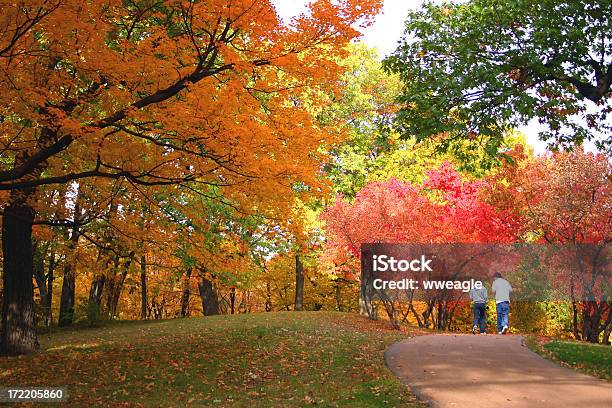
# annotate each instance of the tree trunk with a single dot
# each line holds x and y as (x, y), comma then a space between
(591, 321)
(143, 287)
(18, 334)
(49, 301)
(574, 310)
(232, 300)
(66, 315)
(44, 281)
(40, 277)
(268, 297)
(299, 284)
(186, 293)
(96, 290)
(607, 326)
(416, 315)
(110, 285)
(210, 302)
(366, 307)
(118, 286)
(339, 297)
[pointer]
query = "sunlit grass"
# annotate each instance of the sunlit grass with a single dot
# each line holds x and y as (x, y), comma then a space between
(258, 360)
(593, 359)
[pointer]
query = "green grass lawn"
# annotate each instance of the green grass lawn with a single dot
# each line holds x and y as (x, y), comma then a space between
(593, 359)
(257, 360)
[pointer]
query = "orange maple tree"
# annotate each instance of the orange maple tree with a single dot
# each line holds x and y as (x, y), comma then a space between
(214, 93)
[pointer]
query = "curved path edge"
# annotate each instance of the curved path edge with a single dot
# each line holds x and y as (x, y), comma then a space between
(447, 370)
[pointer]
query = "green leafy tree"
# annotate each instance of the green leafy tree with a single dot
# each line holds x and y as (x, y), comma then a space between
(475, 69)
(367, 106)
(364, 108)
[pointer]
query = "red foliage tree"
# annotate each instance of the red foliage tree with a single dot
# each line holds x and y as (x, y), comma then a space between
(565, 198)
(446, 208)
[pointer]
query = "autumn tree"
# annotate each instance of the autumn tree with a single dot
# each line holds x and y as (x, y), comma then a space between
(445, 208)
(565, 199)
(155, 93)
(474, 69)
(367, 106)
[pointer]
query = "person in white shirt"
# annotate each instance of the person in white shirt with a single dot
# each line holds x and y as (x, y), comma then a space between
(501, 288)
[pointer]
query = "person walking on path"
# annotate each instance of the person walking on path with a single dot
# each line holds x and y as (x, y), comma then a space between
(501, 288)
(479, 297)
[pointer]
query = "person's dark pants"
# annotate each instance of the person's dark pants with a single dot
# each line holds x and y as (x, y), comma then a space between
(480, 316)
(503, 310)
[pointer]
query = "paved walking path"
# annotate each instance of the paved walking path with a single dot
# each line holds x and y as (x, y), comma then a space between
(490, 371)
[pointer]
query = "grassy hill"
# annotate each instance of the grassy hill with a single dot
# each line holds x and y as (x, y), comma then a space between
(258, 360)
